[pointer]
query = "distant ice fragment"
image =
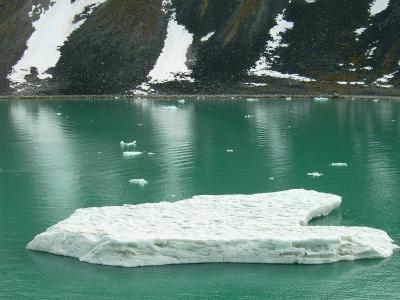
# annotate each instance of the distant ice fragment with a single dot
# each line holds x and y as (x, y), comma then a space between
(288, 98)
(258, 228)
(131, 153)
(314, 174)
(182, 101)
(376, 100)
(248, 116)
(229, 150)
(150, 153)
(321, 99)
(142, 182)
(252, 99)
(58, 114)
(338, 164)
(127, 145)
(170, 107)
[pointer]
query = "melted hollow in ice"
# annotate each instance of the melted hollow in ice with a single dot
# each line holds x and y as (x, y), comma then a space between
(259, 228)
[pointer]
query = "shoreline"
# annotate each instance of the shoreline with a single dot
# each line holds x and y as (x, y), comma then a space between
(197, 97)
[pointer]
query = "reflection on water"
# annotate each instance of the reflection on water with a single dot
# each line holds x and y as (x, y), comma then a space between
(57, 156)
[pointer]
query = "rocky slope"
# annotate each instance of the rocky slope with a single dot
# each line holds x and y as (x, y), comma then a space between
(199, 46)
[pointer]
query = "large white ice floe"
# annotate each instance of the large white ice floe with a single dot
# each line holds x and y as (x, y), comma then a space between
(258, 228)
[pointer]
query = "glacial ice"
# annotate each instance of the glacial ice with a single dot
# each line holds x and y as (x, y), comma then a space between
(142, 182)
(258, 228)
(131, 153)
(338, 164)
(314, 174)
(127, 145)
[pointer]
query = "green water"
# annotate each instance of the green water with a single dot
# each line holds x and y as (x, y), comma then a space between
(53, 164)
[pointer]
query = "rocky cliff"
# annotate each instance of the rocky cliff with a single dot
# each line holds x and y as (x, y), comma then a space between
(198, 46)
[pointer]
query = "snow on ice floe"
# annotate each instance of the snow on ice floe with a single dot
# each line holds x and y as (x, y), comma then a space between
(131, 153)
(142, 182)
(51, 30)
(258, 228)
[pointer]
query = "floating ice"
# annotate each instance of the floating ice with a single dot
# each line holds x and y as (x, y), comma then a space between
(142, 182)
(248, 116)
(150, 153)
(127, 145)
(259, 228)
(376, 100)
(288, 98)
(314, 174)
(338, 164)
(229, 150)
(170, 108)
(131, 153)
(321, 99)
(252, 99)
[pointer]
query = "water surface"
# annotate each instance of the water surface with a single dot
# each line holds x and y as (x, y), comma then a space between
(57, 156)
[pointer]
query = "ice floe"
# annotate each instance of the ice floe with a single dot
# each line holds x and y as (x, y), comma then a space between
(131, 153)
(51, 30)
(182, 101)
(142, 182)
(170, 107)
(230, 150)
(314, 174)
(258, 228)
(338, 164)
(321, 99)
(127, 145)
(252, 99)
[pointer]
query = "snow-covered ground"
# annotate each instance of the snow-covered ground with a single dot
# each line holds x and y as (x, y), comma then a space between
(51, 30)
(171, 64)
(258, 228)
(263, 67)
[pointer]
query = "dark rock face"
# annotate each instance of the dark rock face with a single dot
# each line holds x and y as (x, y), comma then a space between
(119, 42)
(114, 50)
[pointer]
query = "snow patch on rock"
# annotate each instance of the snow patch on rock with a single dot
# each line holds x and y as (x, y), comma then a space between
(171, 64)
(51, 30)
(258, 228)
(378, 6)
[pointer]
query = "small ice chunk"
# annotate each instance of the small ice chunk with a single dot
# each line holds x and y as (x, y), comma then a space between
(258, 228)
(314, 174)
(58, 114)
(248, 116)
(229, 150)
(142, 182)
(252, 99)
(170, 107)
(140, 124)
(150, 153)
(182, 101)
(127, 145)
(131, 153)
(321, 99)
(288, 98)
(376, 100)
(338, 164)
(271, 178)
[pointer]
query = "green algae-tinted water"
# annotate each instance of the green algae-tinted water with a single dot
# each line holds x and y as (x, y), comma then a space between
(57, 156)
